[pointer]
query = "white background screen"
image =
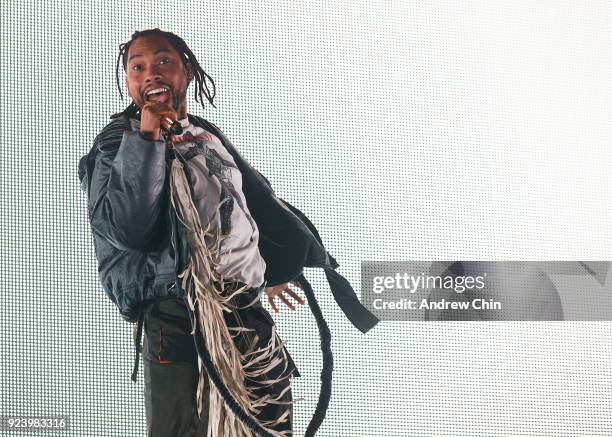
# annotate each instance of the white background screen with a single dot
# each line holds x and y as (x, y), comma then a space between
(438, 130)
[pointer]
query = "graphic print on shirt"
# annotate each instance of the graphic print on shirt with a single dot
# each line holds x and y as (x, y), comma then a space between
(240, 260)
(220, 168)
(217, 166)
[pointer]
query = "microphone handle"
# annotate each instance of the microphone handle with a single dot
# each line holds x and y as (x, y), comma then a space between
(173, 127)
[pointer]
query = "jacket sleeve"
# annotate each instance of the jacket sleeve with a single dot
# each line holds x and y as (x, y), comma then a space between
(126, 194)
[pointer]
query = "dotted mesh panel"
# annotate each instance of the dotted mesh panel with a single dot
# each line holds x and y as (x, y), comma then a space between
(404, 130)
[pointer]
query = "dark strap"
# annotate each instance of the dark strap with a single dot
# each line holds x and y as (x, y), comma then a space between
(328, 359)
(347, 300)
(137, 342)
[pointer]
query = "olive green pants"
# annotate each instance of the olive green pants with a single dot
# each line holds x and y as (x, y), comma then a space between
(171, 371)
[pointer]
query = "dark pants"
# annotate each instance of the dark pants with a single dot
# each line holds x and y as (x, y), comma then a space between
(171, 371)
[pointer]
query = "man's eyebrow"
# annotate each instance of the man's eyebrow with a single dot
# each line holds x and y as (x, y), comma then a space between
(158, 51)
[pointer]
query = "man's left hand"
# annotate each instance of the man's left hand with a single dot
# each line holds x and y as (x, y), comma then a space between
(278, 290)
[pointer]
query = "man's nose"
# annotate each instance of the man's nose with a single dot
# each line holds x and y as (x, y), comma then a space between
(152, 75)
(153, 78)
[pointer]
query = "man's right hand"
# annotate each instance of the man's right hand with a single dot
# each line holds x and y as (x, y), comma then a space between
(150, 118)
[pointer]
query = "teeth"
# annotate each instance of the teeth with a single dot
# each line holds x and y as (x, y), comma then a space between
(157, 90)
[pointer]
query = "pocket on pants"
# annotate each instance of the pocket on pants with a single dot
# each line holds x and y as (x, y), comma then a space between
(168, 333)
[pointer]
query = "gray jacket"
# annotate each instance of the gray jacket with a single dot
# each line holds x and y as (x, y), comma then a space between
(139, 245)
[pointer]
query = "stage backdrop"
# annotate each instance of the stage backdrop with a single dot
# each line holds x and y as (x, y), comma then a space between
(436, 130)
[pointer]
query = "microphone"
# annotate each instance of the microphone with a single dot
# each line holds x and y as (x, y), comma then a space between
(173, 127)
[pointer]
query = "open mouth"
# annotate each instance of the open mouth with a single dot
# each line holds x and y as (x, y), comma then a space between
(161, 94)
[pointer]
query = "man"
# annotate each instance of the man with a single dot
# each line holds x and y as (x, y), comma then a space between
(176, 76)
(141, 247)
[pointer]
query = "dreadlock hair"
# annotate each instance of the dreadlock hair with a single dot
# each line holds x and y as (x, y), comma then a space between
(187, 56)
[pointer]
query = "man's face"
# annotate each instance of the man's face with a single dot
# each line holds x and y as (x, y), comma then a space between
(152, 64)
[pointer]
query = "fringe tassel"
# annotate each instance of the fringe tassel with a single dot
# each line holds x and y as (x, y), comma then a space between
(206, 291)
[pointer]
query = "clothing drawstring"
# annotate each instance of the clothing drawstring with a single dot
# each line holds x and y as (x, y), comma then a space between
(137, 338)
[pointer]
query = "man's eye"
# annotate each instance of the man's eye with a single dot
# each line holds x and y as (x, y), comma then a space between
(165, 59)
(136, 67)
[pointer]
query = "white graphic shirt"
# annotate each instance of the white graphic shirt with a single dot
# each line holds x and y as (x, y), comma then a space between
(215, 177)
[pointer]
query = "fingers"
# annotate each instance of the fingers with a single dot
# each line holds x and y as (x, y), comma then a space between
(278, 290)
(294, 295)
(284, 299)
(159, 108)
(151, 119)
(272, 304)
